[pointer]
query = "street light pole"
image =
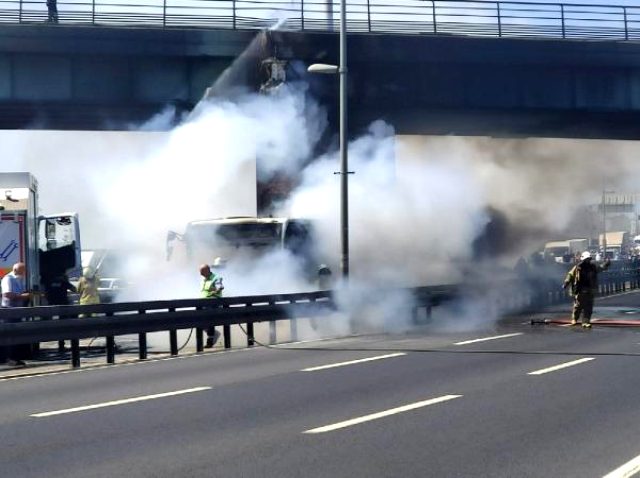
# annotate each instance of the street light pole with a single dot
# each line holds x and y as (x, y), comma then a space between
(604, 226)
(341, 69)
(344, 160)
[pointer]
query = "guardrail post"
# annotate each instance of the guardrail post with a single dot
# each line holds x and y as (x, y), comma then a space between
(626, 23)
(250, 337)
(111, 349)
(199, 339)
(142, 341)
(302, 15)
(173, 341)
(164, 13)
(272, 332)
(20, 12)
(75, 353)
(294, 330)
(233, 6)
(93, 12)
(499, 19)
(142, 346)
(562, 20)
(226, 335)
(368, 14)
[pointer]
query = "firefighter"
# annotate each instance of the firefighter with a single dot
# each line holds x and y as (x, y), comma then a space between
(88, 289)
(583, 279)
(211, 288)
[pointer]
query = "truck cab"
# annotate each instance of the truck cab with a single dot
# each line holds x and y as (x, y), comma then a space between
(48, 245)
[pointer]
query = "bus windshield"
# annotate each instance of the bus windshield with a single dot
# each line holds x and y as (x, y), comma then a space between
(240, 234)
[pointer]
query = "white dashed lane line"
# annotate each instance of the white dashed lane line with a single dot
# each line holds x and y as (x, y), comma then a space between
(119, 402)
(385, 413)
(485, 339)
(631, 468)
(561, 366)
(352, 362)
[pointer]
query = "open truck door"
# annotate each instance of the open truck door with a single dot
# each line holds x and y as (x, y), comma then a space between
(59, 245)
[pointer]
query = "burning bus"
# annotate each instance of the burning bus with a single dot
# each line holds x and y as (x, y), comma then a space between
(245, 239)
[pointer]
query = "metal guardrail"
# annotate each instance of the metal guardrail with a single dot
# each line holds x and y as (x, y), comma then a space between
(32, 325)
(433, 17)
(613, 281)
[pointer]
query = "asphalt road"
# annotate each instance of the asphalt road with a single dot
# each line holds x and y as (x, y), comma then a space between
(429, 405)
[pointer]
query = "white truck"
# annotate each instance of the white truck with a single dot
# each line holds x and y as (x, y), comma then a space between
(618, 243)
(48, 245)
(561, 251)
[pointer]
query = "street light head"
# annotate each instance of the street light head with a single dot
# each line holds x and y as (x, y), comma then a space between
(323, 68)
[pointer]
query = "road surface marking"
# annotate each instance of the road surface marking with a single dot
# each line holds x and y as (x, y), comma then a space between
(386, 413)
(488, 338)
(351, 362)
(561, 366)
(120, 402)
(630, 468)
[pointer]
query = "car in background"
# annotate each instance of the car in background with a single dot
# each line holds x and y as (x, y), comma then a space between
(109, 288)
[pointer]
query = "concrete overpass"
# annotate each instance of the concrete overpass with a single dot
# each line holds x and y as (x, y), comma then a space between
(96, 77)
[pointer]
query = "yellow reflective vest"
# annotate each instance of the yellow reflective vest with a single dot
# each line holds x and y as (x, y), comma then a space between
(210, 287)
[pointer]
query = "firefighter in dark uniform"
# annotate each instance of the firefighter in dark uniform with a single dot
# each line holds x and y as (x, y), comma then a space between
(583, 280)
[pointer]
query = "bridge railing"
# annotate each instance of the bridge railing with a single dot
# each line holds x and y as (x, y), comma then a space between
(513, 19)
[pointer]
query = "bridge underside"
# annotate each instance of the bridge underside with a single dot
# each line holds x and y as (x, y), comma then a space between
(433, 121)
(110, 79)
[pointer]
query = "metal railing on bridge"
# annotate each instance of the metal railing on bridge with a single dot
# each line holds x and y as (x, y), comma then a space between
(431, 17)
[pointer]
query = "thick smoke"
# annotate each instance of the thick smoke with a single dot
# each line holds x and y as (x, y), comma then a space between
(434, 210)
(407, 225)
(420, 207)
(535, 187)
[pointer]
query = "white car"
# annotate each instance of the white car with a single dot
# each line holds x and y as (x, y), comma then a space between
(109, 287)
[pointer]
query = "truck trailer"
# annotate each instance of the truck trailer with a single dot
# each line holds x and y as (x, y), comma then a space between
(618, 244)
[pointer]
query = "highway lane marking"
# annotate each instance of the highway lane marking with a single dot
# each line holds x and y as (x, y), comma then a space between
(385, 413)
(119, 402)
(561, 366)
(484, 339)
(351, 362)
(630, 468)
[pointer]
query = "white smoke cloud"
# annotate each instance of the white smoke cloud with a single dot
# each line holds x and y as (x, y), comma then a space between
(206, 168)
(407, 225)
(416, 203)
